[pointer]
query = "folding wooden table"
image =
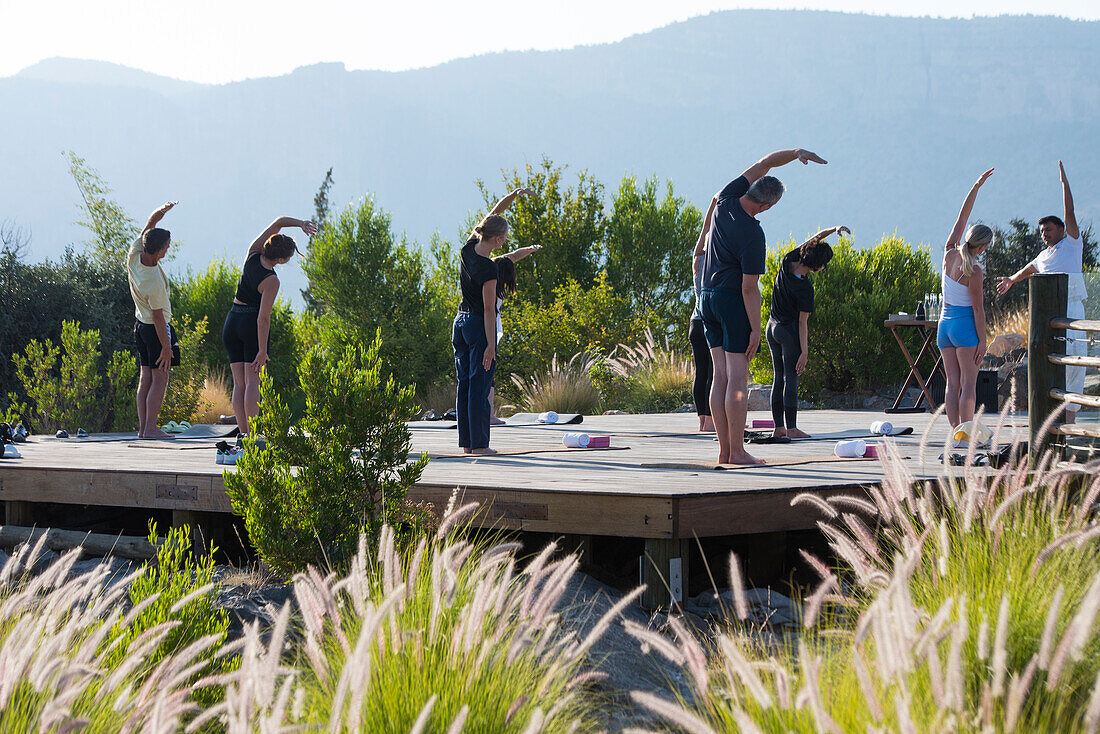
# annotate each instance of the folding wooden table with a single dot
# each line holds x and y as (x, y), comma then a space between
(926, 329)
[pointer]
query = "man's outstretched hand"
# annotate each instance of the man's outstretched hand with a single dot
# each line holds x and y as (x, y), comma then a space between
(807, 157)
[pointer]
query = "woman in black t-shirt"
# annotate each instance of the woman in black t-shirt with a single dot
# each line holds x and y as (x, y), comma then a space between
(788, 326)
(248, 323)
(474, 333)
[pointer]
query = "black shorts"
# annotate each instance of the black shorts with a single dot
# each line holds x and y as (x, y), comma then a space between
(148, 344)
(240, 334)
(725, 321)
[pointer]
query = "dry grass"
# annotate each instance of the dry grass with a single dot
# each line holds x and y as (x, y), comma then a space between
(660, 375)
(564, 388)
(439, 397)
(1008, 322)
(215, 398)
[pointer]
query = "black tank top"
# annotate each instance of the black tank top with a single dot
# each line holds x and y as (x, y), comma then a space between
(252, 275)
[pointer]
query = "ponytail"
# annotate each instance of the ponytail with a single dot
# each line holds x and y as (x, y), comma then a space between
(977, 237)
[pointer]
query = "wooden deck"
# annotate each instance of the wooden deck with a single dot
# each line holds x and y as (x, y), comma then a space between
(610, 492)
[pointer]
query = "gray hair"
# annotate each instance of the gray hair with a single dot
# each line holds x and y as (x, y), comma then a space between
(767, 190)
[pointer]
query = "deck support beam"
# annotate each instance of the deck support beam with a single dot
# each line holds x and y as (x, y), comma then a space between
(664, 571)
(18, 512)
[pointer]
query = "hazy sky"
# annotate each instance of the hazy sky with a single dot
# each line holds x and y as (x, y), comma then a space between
(227, 40)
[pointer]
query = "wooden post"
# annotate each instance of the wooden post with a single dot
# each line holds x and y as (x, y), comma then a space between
(579, 544)
(1048, 297)
(194, 521)
(17, 512)
(664, 571)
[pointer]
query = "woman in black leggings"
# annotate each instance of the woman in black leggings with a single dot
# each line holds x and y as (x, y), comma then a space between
(788, 326)
(248, 325)
(700, 350)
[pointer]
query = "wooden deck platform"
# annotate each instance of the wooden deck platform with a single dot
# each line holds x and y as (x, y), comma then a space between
(612, 492)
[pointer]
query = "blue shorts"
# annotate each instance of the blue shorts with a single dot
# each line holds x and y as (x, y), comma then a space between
(957, 328)
(725, 321)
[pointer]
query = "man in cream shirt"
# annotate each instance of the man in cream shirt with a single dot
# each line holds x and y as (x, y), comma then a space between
(1064, 254)
(157, 348)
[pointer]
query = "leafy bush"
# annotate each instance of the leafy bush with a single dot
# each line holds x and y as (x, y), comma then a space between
(37, 298)
(564, 388)
(185, 381)
(65, 386)
(122, 378)
(577, 320)
(849, 347)
(362, 281)
(338, 472)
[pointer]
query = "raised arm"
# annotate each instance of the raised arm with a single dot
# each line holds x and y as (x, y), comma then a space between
(826, 232)
(506, 201)
(156, 216)
(780, 158)
(959, 229)
(704, 233)
(521, 252)
(303, 224)
(1067, 200)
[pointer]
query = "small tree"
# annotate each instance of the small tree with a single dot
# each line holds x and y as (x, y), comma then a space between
(340, 471)
(113, 229)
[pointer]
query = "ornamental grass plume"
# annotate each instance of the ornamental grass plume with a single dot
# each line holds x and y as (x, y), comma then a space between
(967, 603)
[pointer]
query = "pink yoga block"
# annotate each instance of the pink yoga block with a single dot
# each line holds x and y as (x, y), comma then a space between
(599, 442)
(871, 452)
(762, 423)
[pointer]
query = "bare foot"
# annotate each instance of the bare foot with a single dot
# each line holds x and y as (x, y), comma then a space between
(743, 457)
(156, 433)
(483, 452)
(465, 449)
(780, 432)
(494, 421)
(795, 433)
(706, 425)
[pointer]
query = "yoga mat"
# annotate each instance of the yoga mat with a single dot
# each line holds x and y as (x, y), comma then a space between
(209, 431)
(522, 452)
(853, 433)
(768, 462)
(431, 424)
(170, 445)
(532, 419)
(97, 438)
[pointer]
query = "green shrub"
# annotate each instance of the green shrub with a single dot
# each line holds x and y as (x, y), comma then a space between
(338, 472)
(122, 377)
(178, 575)
(185, 381)
(596, 319)
(850, 348)
(64, 384)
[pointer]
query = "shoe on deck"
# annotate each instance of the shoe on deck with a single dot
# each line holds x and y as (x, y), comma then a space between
(61, 433)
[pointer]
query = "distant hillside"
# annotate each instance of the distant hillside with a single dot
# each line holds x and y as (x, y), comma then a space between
(907, 111)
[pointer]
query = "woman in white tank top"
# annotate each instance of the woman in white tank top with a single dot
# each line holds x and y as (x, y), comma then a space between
(961, 332)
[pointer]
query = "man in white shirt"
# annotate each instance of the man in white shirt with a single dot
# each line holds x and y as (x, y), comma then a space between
(1064, 254)
(157, 348)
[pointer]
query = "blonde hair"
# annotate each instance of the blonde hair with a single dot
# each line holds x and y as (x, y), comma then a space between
(977, 237)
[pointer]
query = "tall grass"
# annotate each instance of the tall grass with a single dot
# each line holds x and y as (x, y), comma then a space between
(658, 376)
(1015, 321)
(449, 635)
(967, 604)
(215, 397)
(565, 387)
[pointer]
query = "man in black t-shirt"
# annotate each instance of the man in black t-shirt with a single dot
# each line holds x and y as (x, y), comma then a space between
(730, 299)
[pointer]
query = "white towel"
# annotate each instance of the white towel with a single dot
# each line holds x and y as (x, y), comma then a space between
(851, 449)
(576, 440)
(548, 417)
(882, 428)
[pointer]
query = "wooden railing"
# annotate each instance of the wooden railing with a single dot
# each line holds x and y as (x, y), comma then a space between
(1047, 362)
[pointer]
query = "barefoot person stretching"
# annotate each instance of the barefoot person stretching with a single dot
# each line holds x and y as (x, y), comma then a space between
(474, 332)
(157, 348)
(1063, 254)
(729, 301)
(788, 330)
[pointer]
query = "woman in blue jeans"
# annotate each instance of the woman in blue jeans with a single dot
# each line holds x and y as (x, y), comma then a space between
(474, 336)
